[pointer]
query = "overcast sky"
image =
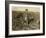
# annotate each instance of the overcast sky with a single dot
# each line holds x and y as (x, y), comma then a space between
(33, 9)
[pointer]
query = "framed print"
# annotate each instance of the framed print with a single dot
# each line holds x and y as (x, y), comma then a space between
(24, 18)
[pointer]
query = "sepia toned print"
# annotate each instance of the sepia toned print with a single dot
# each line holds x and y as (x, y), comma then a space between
(25, 18)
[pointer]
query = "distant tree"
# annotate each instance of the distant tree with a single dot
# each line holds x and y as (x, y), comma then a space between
(26, 9)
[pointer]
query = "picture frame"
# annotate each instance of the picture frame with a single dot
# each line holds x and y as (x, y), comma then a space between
(23, 5)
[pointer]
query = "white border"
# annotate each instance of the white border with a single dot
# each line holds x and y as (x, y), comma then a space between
(29, 31)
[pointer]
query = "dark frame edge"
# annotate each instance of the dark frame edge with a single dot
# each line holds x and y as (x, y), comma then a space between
(43, 18)
(6, 19)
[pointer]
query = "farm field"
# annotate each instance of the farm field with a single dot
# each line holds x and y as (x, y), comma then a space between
(25, 20)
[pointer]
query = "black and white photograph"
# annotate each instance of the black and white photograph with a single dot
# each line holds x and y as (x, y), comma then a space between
(25, 18)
